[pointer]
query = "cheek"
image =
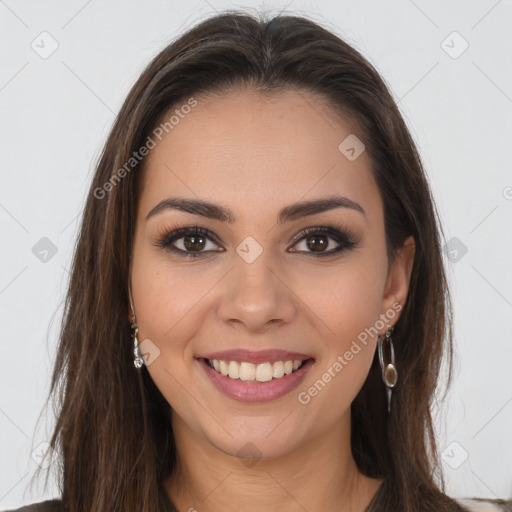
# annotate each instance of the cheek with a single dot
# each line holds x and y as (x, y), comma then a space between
(347, 298)
(168, 303)
(165, 298)
(347, 302)
(346, 352)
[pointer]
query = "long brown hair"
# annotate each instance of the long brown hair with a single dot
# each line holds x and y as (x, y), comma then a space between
(112, 431)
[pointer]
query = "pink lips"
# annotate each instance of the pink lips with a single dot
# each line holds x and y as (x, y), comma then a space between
(256, 357)
(254, 391)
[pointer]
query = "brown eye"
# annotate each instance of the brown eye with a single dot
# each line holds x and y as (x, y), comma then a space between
(318, 240)
(194, 241)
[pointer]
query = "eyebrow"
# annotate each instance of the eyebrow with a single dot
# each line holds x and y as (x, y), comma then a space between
(223, 214)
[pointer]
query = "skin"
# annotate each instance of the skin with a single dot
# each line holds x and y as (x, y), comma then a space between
(256, 154)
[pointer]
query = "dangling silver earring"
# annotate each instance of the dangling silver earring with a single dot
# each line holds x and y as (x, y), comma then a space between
(389, 373)
(137, 359)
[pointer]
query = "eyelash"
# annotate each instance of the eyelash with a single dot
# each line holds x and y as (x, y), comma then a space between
(339, 233)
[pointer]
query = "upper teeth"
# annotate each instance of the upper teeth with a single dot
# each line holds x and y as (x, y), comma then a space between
(262, 372)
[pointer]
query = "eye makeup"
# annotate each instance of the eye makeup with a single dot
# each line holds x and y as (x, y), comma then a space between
(199, 237)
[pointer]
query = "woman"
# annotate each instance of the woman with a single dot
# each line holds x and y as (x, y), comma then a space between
(258, 309)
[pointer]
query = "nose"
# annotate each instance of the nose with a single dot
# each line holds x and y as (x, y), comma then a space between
(256, 297)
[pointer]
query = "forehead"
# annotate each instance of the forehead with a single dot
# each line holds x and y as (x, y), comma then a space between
(250, 148)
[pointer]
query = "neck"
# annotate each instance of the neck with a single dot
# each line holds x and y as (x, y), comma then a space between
(319, 475)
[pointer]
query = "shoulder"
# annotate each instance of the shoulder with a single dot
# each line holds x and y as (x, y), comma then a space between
(485, 505)
(43, 506)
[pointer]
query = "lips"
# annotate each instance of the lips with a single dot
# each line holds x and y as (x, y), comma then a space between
(258, 387)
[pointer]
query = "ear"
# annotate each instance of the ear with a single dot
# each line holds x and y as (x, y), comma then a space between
(399, 276)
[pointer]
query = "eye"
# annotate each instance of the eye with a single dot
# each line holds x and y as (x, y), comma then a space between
(191, 241)
(317, 240)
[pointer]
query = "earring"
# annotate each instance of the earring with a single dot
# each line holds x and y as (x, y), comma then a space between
(137, 359)
(389, 373)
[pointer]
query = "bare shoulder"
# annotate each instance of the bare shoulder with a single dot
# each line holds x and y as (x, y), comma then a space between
(485, 505)
(43, 506)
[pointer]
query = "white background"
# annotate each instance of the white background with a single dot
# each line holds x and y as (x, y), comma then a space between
(55, 116)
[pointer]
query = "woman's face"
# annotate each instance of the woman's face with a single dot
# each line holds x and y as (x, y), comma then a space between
(257, 285)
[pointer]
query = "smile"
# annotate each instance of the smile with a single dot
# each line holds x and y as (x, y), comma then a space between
(244, 381)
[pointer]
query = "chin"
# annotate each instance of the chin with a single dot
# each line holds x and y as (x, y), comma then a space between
(253, 443)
